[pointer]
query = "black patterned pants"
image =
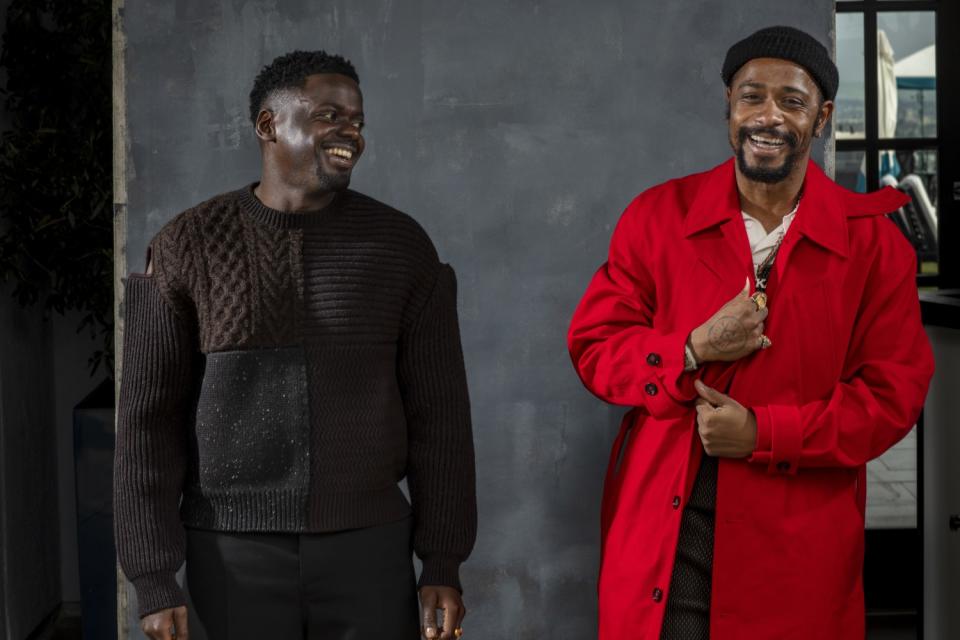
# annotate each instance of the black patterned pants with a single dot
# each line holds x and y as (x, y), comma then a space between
(688, 602)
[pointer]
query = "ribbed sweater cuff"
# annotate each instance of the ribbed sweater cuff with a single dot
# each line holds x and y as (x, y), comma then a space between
(441, 570)
(156, 591)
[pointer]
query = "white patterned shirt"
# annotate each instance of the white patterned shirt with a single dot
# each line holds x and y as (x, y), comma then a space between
(761, 242)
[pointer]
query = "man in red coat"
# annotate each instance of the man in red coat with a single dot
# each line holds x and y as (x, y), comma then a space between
(764, 325)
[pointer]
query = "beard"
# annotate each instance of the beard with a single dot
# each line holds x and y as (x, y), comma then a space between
(332, 181)
(767, 174)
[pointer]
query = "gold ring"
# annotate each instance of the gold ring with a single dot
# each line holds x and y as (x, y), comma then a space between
(764, 341)
(760, 299)
(457, 632)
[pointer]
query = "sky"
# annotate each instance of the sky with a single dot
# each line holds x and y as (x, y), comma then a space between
(908, 32)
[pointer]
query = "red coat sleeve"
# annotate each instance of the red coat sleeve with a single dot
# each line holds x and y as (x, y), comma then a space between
(619, 354)
(886, 373)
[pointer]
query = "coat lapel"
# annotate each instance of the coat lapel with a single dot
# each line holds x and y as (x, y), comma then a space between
(714, 226)
(816, 245)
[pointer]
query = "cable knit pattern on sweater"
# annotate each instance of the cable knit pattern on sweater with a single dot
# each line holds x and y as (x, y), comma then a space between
(283, 372)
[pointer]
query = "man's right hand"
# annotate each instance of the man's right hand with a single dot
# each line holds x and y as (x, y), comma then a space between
(166, 624)
(732, 332)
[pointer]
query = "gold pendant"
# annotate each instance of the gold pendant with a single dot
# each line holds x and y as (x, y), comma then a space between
(760, 299)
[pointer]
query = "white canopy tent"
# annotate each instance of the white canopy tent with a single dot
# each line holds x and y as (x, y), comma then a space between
(886, 101)
(886, 110)
(918, 70)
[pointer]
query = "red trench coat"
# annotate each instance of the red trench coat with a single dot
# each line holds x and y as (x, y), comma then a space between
(844, 380)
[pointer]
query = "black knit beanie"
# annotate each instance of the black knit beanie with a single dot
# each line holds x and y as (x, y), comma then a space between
(790, 44)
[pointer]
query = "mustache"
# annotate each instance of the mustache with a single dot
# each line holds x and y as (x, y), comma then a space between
(769, 132)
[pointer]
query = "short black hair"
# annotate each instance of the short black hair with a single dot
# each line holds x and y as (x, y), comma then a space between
(291, 70)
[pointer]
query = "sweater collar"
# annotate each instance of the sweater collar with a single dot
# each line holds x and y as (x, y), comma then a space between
(287, 219)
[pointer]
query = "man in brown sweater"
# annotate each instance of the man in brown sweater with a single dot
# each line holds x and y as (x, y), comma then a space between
(290, 355)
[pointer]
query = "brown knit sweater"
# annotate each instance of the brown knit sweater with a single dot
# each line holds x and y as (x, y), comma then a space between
(283, 372)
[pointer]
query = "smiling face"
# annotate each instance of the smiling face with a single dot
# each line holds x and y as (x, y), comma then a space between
(311, 135)
(775, 112)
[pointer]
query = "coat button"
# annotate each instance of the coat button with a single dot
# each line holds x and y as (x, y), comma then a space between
(676, 502)
(651, 389)
(783, 466)
(657, 594)
(653, 359)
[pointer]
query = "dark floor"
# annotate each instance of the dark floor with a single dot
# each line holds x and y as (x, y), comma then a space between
(70, 630)
(66, 626)
(62, 625)
(892, 627)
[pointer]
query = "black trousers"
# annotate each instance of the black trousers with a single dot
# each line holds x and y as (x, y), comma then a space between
(688, 602)
(353, 585)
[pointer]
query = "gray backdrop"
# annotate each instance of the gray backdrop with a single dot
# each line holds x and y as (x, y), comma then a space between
(515, 132)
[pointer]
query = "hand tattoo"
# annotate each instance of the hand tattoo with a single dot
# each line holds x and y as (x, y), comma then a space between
(727, 335)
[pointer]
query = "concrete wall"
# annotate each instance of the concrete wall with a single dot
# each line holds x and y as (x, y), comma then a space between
(29, 551)
(43, 374)
(516, 132)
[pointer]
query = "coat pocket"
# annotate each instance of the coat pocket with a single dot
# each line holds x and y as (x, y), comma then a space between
(622, 448)
(252, 425)
(614, 477)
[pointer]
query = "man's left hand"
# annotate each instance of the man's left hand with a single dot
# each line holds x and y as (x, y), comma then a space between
(449, 601)
(727, 428)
